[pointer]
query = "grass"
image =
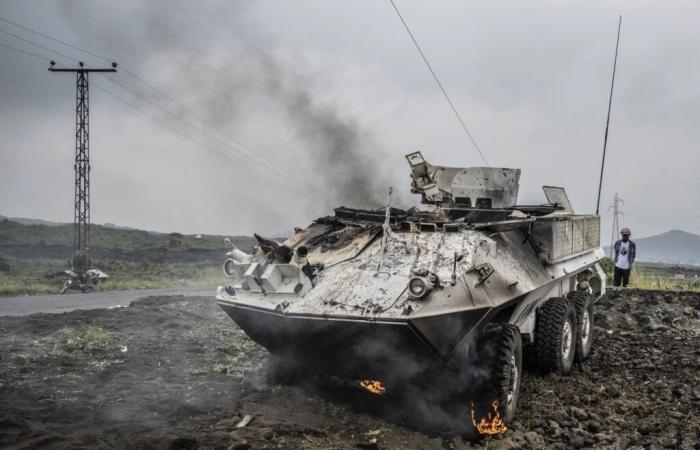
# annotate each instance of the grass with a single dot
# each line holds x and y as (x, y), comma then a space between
(13, 233)
(84, 338)
(640, 279)
(656, 277)
(45, 276)
(136, 258)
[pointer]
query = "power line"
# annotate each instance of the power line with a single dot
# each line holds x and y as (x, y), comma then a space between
(444, 92)
(175, 130)
(38, 45)
(54, 39)
(180, 133)
(197, 116)
(272, 165)
(211, 149)
(25, 52)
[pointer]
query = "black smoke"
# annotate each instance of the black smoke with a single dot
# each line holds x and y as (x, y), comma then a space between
(252, 86)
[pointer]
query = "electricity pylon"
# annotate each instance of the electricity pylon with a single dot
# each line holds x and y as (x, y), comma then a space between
(81, 217)
(617, 211)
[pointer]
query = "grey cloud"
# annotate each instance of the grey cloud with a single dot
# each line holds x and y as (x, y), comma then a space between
(304, 84)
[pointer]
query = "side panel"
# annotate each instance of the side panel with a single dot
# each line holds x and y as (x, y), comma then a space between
(558, 238)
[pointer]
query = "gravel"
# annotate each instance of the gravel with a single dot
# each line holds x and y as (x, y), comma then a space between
(175, 372)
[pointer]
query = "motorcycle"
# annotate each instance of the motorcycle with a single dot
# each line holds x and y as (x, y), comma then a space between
(85, 281)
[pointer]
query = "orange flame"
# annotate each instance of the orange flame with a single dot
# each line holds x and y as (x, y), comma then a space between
(373, 386)
(492, 424)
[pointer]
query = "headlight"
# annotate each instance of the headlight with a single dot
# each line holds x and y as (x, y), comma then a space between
(229, 267)
(418, 287)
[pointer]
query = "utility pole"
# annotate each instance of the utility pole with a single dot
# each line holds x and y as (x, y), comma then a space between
(617, 211)
(81, 217)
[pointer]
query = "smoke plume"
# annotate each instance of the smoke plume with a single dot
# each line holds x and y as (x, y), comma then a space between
(336, 146)
(268, 95)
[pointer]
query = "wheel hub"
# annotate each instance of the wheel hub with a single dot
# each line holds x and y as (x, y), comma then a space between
(585, 326)
(513, 384)
(566, 340)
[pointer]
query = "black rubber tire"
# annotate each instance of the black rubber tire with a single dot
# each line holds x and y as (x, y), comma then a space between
(583, 302)
(488, 370)
(508, 370)
(552, 320)
(87, 288)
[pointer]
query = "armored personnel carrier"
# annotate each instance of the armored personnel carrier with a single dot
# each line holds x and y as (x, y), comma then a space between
(454, 292)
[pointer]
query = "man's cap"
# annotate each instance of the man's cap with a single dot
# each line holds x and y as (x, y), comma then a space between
(626, 231)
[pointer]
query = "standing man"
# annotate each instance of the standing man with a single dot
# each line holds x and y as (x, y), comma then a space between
(625, 251)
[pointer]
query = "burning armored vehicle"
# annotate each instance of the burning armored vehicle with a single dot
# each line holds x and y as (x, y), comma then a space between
(470, 281)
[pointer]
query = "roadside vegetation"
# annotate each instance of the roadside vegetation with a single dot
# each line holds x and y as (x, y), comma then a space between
(33, 257)
(102, 237)
(659, 276)
(45, 276)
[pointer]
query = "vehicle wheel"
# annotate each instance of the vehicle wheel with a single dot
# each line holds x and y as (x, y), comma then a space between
(555, 336)
(508, 370)
(86, 288)
(500, 349)
(65, 287)
(583, 302)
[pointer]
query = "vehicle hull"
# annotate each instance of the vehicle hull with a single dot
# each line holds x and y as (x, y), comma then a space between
(353, 347)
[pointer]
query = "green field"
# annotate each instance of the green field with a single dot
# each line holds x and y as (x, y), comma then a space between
(45, 276)
(33, 257)
(13, 233)
(659, 276)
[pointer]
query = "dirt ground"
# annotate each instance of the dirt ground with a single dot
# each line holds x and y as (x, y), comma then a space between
(175, 373)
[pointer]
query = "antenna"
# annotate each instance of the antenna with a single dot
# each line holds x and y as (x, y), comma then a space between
(437, 81)
(607, 122)
(386, 227)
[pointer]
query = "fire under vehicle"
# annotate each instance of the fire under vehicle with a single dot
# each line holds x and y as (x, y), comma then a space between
(462, 287)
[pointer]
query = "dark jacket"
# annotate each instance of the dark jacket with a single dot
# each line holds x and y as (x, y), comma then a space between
(632, 250)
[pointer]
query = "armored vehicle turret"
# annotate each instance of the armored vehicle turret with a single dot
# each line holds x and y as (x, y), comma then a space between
(457, 289)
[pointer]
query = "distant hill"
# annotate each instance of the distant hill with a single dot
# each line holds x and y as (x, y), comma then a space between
(26, 221)
(38, 239)
(672, 247)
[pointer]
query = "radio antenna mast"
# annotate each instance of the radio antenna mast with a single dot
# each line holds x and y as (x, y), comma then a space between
(607, 122)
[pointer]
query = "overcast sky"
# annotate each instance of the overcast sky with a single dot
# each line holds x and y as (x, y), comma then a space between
(329, 96)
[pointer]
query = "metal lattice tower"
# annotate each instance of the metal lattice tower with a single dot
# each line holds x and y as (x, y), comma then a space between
(81, 203)
(617, 211)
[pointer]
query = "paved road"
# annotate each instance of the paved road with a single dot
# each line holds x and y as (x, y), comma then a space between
(20, 306)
